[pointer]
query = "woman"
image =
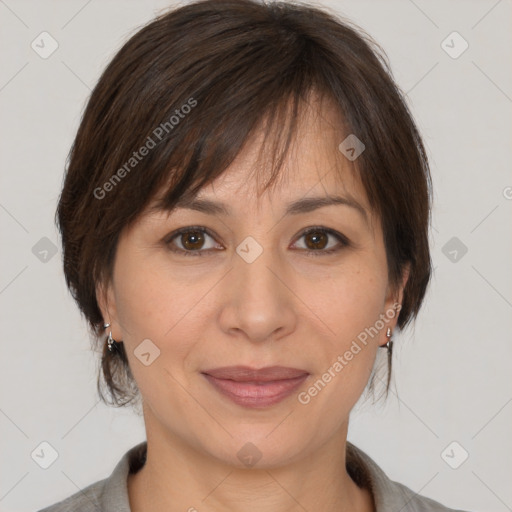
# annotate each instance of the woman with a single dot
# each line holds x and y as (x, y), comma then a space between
(244, 222)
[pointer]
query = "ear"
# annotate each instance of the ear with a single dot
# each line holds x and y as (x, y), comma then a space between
(398, 295)
(106, 302)
(394, 300)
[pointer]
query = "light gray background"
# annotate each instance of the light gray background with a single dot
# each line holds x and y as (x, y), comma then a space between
(452, 371)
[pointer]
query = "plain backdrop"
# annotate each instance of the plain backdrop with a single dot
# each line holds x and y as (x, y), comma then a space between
(452, 371)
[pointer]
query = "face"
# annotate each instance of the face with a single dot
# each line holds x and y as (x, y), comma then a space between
(256, 286)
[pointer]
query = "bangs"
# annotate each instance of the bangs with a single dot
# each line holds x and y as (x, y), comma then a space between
(279, 123)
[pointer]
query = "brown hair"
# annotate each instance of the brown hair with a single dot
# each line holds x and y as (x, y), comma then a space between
(191, 87)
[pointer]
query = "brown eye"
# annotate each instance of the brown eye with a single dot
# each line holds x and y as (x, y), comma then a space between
(192, 240)
(316, 240)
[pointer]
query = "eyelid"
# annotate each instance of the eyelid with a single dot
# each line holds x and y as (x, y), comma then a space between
(343, 241)
(336, 234)
(187, 229)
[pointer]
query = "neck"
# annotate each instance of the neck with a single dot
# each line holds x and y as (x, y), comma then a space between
(179, 477)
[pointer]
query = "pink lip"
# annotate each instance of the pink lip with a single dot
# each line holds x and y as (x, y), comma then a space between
(256, 388)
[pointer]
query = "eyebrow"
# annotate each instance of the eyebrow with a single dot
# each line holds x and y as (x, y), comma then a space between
(304, 205)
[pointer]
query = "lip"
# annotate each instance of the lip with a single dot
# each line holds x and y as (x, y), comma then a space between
(247, 374)
(256, 388)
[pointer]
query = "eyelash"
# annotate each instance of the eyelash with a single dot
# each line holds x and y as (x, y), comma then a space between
(344, 242)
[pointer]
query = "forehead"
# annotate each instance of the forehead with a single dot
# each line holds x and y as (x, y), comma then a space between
(302, 186)
(313, 167)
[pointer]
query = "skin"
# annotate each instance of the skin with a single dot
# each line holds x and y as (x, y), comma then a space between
(286, 308)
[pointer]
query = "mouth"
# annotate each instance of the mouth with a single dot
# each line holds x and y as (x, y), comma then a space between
(255, 388)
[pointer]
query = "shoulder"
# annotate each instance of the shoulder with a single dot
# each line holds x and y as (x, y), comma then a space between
(387, 494)
(416, 502)
(109, 494)
(86, 500)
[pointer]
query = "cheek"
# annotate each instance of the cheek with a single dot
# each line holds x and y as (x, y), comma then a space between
(345, 358)
(349, 299)
(349, 304)
(166, 307)
(149, 301)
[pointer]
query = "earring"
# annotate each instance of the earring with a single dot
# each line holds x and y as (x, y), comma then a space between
(389, 344)
(110, 340)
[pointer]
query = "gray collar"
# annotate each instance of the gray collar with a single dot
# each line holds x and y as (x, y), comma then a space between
(387, 494)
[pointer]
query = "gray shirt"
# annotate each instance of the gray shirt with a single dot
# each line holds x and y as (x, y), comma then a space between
(111, 494)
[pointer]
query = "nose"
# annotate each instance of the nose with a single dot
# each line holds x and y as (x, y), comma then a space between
(259, 304)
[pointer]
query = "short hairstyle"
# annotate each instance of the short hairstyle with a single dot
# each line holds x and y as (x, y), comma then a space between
(178, 101)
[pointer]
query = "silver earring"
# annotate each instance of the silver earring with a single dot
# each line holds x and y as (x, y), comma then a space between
(389, 344)
(110, 340)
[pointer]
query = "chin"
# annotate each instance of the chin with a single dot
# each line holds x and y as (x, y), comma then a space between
(253, 447)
